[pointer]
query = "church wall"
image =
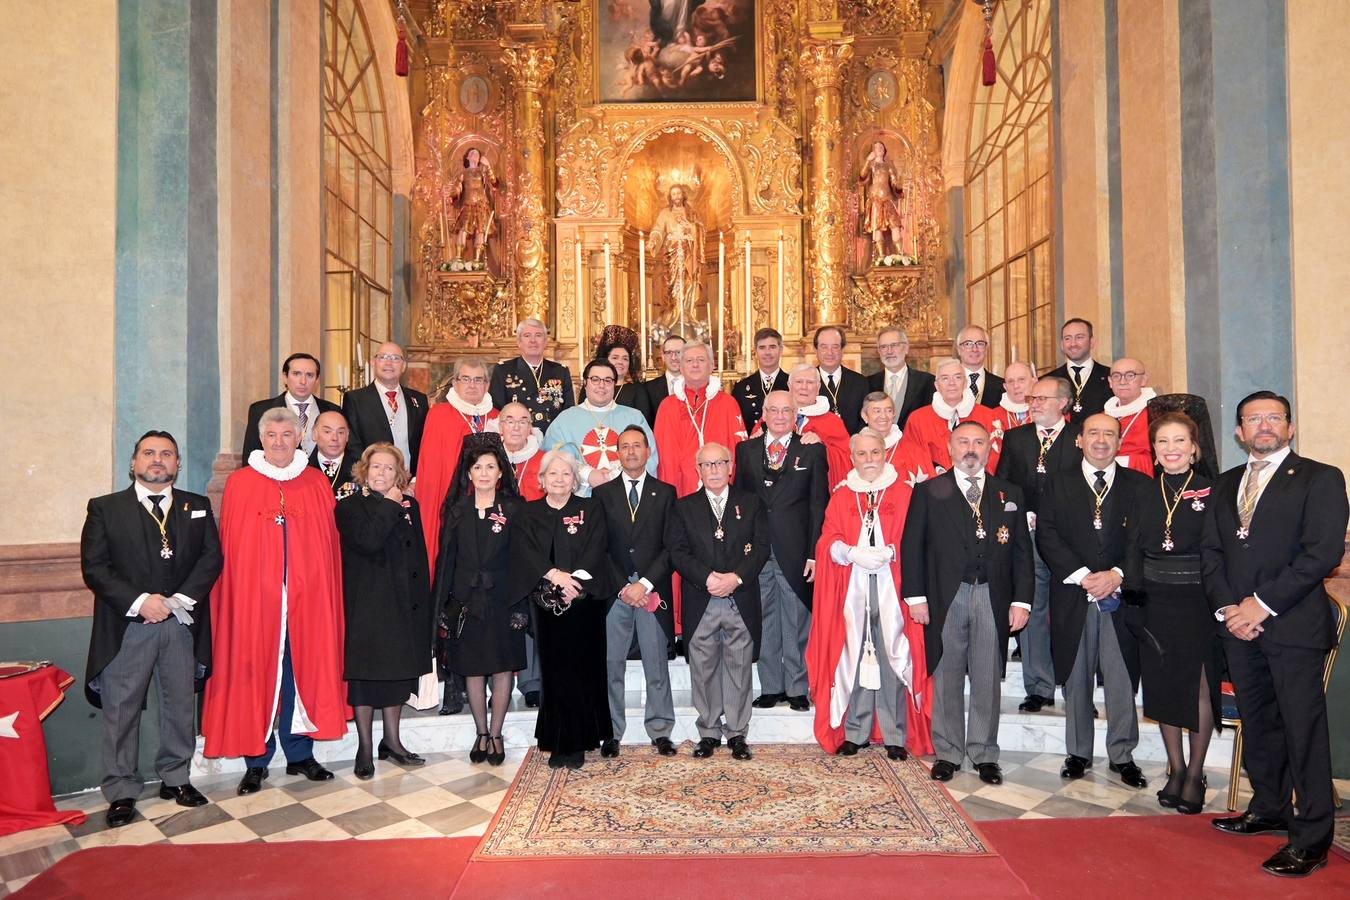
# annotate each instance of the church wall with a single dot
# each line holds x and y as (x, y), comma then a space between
(58, 114)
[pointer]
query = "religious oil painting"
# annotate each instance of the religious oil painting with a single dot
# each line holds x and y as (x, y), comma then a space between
(676, 51)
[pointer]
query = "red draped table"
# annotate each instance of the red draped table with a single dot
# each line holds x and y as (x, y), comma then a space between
(27, 696)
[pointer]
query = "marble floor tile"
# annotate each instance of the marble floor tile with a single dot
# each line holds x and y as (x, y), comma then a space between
(424, 801)
(339, 802)
(475, 786)
(1012, 794)
(456, 818)
(231, 832)
(252, 804)
(322, 830)
(186, 820)
(282, 818)
(368, 818)
(408, 828)
(141, 832)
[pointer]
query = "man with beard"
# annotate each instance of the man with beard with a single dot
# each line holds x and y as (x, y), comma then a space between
(1087, 377)
(909, 388)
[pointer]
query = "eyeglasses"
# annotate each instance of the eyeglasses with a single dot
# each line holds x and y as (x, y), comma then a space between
(388, 357)
(714, 463)
(1124, 376)
(885, 348)
(600, 379)
(973, 345)
(1268, 418)
(472, 379)
(1037, 398)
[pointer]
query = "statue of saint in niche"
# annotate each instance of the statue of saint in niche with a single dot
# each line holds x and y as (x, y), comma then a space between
(677, 244)
(473, 193)
(879, 197)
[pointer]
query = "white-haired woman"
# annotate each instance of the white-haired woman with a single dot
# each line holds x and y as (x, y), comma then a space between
(562, 565)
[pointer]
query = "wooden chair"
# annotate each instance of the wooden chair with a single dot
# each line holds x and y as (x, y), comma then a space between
(1339, 614)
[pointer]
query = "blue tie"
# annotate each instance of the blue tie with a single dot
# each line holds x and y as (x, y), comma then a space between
(632, 494)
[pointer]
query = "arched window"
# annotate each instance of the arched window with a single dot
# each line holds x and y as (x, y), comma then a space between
(358, 196)
(1009, 223)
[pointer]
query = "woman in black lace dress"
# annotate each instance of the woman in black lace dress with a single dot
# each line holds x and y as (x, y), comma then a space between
(1179, 640)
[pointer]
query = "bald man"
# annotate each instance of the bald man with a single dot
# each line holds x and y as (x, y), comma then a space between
(385, 410)
(1012, 411)
(1129, 406)
(332, 454)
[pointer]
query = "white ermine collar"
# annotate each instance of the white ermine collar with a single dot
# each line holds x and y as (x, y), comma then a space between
(893, 436)
(1019, 408)
(1120, 410)
(257, 461)
(855, 483)
(962, 409)
(714, 387)
(529, 450)
(482, 408)
(822, 405)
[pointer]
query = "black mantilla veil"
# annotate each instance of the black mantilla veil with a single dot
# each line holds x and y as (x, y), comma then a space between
(475, 447)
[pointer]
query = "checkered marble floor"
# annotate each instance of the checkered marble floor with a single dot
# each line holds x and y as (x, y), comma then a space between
(450, 797)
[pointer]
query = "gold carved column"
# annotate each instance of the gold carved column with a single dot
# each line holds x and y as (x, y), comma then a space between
(824, 55)
(531, 58)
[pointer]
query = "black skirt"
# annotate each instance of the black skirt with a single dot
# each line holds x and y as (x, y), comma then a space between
(380, 693)
(1180, 641)
(574, 691)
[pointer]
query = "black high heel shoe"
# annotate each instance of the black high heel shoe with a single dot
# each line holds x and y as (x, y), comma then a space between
(364, 768)
(498, 756)
(407, 758)
(479, 752)
(1193, 807)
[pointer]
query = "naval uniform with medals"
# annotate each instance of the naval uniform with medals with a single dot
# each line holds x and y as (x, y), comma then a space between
(751, 390)
(545, 390)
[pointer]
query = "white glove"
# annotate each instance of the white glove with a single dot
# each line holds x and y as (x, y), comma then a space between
(180, 606)
(870, 559)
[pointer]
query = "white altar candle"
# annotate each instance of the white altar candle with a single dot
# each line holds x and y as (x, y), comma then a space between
(581, 307)
(721, 299)
(749, 305)
(779, 317)
(642, 294)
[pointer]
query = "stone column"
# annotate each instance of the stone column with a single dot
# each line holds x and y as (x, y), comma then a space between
(531, 57)
(823, 57)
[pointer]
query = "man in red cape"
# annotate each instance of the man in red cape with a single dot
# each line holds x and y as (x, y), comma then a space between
(696, 413)
(849, 715)
(524, 447)
(815, 422)
(1129, 405)
(931, 426)
(276, 612)
(467, 409)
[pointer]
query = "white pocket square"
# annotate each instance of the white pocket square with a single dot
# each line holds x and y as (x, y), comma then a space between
(1010, 507)
(199, 514)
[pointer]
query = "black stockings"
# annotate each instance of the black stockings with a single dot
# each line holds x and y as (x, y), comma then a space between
(476, 687)
(1186, 779)
(365, 718)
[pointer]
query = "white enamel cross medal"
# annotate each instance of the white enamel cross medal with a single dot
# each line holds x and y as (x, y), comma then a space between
(1198, 505)
(280, 519)
(165, 552)
(1097, 522)
(1078, 407)
(719, 533)
(1242, 534)
(980, 533)
(1167, 544)
(1040, 468)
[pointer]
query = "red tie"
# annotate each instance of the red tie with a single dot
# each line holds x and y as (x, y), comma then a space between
(393, 401)
(776, 453)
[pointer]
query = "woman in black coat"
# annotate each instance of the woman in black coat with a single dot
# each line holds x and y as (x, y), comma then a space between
(486, 639)
(387, 598)
(1179, 644)
(562, 563)
(619, 347)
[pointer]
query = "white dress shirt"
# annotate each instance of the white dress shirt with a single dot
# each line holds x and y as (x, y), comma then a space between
(1090, 476)
(143, 494)
(627, 481)
(398, 420)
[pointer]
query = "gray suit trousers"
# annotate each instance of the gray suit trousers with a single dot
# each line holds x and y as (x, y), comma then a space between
(969, 647)
(888, 703)
(720, 654)
(620, 623)
(1038, 666)
(1099, 648)
(163, 651)
(786, 627)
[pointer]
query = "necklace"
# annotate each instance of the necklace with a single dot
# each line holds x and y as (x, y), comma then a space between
(1171, 507)
(833, 394)
(718, 515)
(1100, 498)
(979, 517)
(702, 422)
(869, 518)
(1046, 443)
(165, 551)
(281, 513)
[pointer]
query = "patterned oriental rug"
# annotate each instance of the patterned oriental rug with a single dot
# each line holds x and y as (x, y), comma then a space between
(790, 800)
(1340, 838)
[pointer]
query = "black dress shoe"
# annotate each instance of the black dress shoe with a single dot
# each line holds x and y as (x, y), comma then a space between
(364, 769)
(1075, 766)
(1291, 862)
(496, 750)
(121, 812)
(768, 701)
(252, 781)
(609, 749)
(848, 748)
(739, 748)
(895, 751)
(942, 770)
(407, 758)
(1035, 703)
(1249, 823)
(556, 760)
(309, 768)
(799, 704)
(990, 773)
(706, 746)
(1167, 800)
(182, 794)
(532, 699)
(574, 760)
(664, 746)
(1130, 774)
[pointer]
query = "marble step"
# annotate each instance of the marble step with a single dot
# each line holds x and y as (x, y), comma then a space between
(635, 682)
(428, 732)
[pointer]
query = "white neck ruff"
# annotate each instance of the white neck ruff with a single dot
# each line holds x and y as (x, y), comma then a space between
(257, 461)
(1120, 410)
(482, 408)
(1019, 408)
(714, 387)
(962, 409)
(855, 483)
(893, 436)
(821, 405)
(532, 444)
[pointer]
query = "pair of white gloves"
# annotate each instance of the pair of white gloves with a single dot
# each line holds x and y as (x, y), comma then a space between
(869, 559)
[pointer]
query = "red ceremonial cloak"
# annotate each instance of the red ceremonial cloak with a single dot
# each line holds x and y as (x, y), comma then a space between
(843, 522)
(1135, 452)
(679, 436)
(527, 477)
(442, 438)
(247, 612)
(834, 435)
(934, 433)
(910, 462)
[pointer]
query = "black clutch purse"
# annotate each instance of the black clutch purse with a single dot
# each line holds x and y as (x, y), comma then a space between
(547, 595)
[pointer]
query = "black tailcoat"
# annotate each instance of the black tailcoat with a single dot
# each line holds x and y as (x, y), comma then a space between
(847, 401)
(749, 394)
(1095, 393)
(794, 503)
(1021, 450)
(369, 423)
(256, 409)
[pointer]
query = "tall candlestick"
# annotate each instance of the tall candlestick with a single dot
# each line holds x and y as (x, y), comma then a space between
(609, 282)
(642, 291)
(749, 305)
(721, 301)
(779, 316)
(581, 327)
